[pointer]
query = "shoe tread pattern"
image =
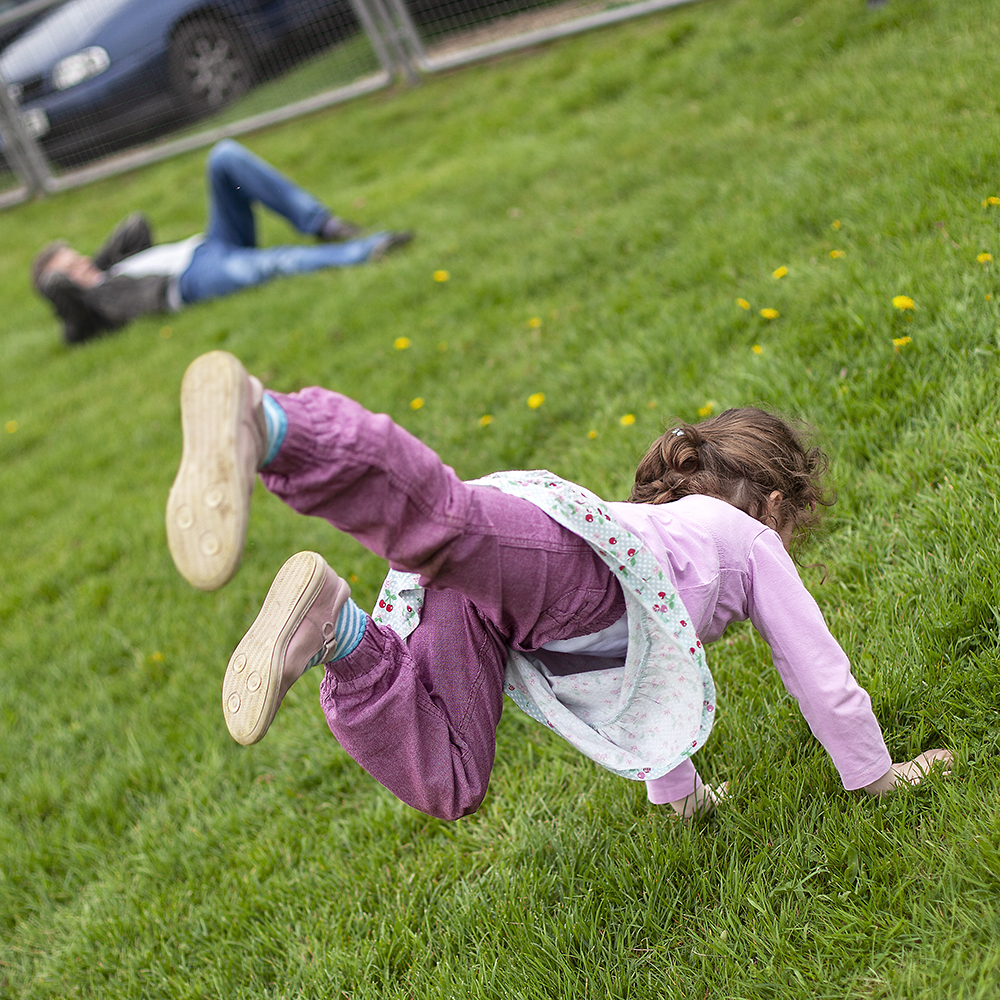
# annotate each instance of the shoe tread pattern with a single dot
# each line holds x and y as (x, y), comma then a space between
(251, 688)
(208, 504)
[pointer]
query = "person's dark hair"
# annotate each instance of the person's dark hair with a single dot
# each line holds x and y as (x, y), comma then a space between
(741, 456)
(42, 260)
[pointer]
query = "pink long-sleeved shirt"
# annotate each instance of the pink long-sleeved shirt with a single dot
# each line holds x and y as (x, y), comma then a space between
(728, 567)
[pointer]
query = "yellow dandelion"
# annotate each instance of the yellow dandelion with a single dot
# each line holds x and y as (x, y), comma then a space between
(992, 200)
(902, 302)
(837, 254)
(757, 349)
(157, 657)
(835, 224)
(485, 420)
(166, 332)
(591, 435)
(899, 342)
(441, 275)
(10, 427)
(627, 420)
(535, 400)
(535, 322)
(985, 258)
(770, 313)
(989, 298)
(401, 343)
(415, 404)
(779, 272)
(706, 410)
(353, 578)
(743, 304)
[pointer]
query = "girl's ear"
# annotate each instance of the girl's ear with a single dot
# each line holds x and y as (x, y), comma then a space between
(774, 502)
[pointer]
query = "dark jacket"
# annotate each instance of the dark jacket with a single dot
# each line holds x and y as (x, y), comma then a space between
(88, 312)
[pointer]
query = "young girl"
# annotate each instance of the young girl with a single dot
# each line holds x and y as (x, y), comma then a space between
(590, 615)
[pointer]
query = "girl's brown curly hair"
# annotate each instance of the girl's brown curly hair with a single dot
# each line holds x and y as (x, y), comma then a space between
(741, 456)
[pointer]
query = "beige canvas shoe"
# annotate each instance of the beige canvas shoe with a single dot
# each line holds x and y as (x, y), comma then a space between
(294, 631)
(225, 441)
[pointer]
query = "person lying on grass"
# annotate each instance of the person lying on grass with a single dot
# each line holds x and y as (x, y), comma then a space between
(590, 615)
(129, 277)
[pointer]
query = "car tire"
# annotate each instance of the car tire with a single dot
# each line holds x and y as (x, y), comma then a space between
(210, 65)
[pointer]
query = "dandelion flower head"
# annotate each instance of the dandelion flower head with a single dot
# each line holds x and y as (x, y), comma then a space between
(401, 343)
(899, 342)
(902, 302)
(757, 349)
(415, 404)
(836, 254)
(10, 427)
(835, 224)
(985, 258)
(992, 200)
(743, 304)
(485, 420)
(534, 322)
(441, 275)
(770, 313)
(779, 272)
(535, 400)
(591, 435)
(706, 410)
(627, 420)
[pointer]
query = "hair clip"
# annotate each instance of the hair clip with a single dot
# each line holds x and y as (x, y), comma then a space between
(677, 432)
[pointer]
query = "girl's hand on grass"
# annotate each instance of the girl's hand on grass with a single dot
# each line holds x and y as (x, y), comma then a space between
(701, 803)
(912, 771)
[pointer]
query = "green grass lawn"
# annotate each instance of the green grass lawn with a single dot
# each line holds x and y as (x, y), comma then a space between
(625, 189)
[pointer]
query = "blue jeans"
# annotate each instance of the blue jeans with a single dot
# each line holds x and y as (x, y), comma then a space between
(230, 259)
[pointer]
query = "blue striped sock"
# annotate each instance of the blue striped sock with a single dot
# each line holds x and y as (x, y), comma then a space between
(350, 628)
(277, 426)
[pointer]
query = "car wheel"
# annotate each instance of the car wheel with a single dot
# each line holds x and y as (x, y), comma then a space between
(210, 65)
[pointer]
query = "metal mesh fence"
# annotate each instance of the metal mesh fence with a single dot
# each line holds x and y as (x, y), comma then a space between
(81, 81)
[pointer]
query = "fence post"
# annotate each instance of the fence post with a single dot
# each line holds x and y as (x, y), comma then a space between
(378, 43)
(408, 30)
(385, 37)
(25, 154)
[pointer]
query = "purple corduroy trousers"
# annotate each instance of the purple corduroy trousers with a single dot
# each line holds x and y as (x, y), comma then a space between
(420, 714)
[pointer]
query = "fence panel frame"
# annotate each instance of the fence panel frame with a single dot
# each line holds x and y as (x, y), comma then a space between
(396, 43)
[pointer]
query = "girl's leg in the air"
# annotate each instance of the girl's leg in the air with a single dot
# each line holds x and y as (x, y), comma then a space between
(420, 714)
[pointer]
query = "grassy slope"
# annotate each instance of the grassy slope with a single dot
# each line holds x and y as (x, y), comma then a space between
(662, 169)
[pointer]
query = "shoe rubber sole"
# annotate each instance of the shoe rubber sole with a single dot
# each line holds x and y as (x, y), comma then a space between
(251, 690)
(209, 503)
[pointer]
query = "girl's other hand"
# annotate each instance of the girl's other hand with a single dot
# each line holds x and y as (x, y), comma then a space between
(912, 771)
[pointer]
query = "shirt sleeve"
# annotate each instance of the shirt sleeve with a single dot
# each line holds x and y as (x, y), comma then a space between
(813, 667)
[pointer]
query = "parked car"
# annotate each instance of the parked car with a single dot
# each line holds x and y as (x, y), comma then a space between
(93, 75)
